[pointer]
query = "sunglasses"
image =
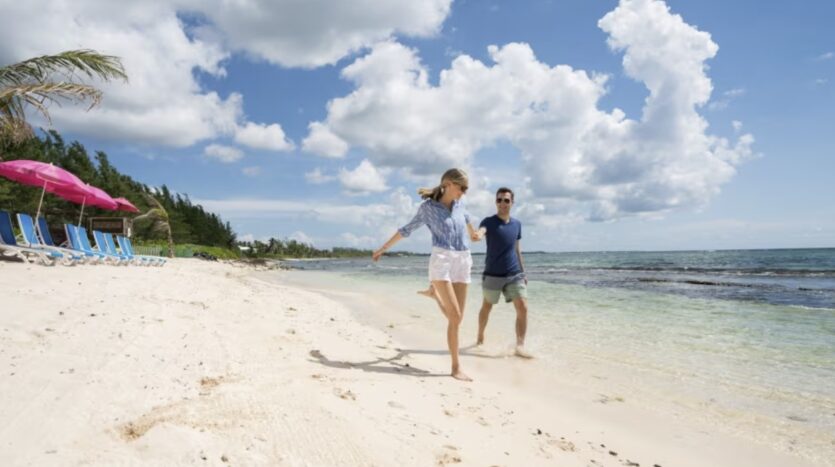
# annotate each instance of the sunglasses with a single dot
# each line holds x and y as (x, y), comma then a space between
(463, 188)
(503, 200)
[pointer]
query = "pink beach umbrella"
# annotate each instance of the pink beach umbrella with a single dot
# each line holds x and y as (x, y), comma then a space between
(52, 178)
(125, 205)
(91, 196)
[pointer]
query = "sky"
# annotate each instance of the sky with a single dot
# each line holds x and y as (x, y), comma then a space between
(620, 125)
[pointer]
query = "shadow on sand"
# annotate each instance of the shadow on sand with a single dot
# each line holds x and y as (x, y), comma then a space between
(393, 365)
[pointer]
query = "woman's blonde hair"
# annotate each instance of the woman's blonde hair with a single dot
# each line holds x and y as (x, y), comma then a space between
(456, 176)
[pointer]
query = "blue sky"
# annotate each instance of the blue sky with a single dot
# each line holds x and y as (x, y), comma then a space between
(631, 125)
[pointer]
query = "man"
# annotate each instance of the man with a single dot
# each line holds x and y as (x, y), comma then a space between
(504, 271)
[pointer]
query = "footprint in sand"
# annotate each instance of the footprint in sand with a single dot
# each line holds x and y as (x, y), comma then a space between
(448, 456)
(604, 399)
(563, 444)
(347, 395)
(207, 382)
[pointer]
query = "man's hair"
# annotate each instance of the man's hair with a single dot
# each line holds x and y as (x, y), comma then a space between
(505, 189)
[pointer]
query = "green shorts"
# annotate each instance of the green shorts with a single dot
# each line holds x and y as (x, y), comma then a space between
(511, 290)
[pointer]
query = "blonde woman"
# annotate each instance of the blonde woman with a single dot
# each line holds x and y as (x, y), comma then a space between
(450, 262)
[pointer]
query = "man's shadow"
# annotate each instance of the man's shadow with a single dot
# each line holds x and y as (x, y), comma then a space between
(393, 365)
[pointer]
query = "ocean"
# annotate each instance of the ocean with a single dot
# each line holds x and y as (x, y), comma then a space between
(742, 339)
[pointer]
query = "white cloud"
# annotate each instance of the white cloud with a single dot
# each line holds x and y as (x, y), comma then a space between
(270, 137)
(368, 225)
(164, 103)
(384, 216)
(358, 241)
(301, 237)
(323, 142)
(253, 171)
(821, 81)
(725, 100)
(606, 164)
(316, 177)
(737, 126)
(313, 33)
(225, 154)
(826, 56)
(364, 179)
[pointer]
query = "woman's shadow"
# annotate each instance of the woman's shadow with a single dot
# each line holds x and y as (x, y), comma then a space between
(393, 365)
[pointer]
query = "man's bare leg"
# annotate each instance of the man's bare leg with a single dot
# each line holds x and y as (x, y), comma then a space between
(483, 316)
(450, 306)
(521, 306)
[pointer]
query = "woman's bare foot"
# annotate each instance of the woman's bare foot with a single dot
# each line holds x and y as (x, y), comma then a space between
(521, 352)
(430, 292)
(459, 375)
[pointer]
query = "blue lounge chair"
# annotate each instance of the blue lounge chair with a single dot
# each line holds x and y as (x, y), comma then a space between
(78, 238)
(75, 242)
(9, 246)
(125, 246)
(111, 247)
(31, 240)
(101, 244)
(85, 240)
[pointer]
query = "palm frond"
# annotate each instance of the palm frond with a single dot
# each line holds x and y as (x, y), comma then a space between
(32, 83)
(69, 63)
(13, 98)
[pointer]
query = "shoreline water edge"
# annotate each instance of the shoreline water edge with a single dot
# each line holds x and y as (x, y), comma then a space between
(203, 363)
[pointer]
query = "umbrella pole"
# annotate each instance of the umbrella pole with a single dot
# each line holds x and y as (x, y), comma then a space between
(83, 200)
(40, 202)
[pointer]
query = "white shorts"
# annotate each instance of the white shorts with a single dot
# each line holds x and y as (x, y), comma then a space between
(450, 265)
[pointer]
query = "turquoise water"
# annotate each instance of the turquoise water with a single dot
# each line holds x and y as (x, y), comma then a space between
(745, 340)
(800, 277)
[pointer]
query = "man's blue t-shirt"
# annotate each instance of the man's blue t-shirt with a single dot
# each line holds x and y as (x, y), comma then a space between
(501, 237)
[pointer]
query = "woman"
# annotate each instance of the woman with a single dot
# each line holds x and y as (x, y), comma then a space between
(450, 263)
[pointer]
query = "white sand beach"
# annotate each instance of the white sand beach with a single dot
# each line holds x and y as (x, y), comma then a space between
(201, 363)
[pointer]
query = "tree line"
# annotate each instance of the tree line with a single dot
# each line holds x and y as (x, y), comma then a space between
(189, 223)
(291, 248)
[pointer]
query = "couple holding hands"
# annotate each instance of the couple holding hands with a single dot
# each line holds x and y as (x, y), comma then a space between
(450, 262)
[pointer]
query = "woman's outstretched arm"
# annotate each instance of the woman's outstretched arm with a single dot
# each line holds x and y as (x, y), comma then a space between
(476, 235)
(390, 243)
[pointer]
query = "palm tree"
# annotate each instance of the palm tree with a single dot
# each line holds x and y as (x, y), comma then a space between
(33, 83)
(160, 221)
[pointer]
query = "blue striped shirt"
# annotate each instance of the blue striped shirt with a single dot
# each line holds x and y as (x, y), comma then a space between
(448, 227)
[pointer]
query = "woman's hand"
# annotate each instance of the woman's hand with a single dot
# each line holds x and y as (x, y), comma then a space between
(394, 239)
(377, 254)
(476, 235)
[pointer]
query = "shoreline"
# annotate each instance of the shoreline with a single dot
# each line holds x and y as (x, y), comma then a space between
(561, 388)
(202, 363)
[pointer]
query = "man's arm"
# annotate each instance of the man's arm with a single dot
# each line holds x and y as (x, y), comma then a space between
(519, 255)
